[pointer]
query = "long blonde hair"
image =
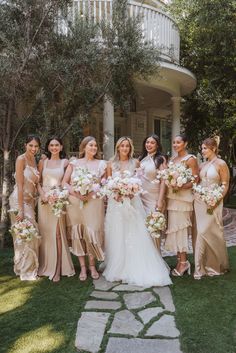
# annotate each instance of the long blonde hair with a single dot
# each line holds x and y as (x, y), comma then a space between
(116, 158)
(84, 143)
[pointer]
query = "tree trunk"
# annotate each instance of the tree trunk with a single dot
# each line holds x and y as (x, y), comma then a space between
(5, 195)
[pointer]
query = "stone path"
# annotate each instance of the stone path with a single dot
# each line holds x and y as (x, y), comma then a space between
(120, 318)
(128, 319)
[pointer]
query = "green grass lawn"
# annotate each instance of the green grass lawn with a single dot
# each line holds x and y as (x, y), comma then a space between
(38, 316)
(42, 316)
(206, 311)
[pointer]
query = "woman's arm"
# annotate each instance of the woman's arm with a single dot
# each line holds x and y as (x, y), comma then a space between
(224, 176)
(162, 192)
(66, 179)
(109, 169)
(40, 189)
(192, 164)
(20, 166)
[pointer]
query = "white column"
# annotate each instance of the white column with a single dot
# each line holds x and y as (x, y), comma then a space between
(108, 128)
(175, 117)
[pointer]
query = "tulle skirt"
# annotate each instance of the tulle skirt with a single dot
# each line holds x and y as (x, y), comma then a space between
(130, 254)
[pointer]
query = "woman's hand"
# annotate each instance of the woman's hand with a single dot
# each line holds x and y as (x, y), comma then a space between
(160, 206)
(44, 198)
(20, 216)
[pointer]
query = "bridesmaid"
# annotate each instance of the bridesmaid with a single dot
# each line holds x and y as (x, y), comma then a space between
(54, 255)
(211, 256)
(151, 160)
(180, 207)
(23, 199)
(86, 225)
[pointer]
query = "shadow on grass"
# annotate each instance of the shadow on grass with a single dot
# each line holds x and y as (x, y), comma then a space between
(39, 316)
(206, 311)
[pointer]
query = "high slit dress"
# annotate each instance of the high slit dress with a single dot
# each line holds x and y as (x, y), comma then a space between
(48, 224)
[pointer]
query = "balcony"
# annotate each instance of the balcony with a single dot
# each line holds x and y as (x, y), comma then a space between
(158, 27)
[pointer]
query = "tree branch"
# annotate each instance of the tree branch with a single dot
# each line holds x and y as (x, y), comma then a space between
(90, 108)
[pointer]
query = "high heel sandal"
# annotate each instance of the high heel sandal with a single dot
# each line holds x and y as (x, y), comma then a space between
(82, 276)
(93, 274)
(181, 273)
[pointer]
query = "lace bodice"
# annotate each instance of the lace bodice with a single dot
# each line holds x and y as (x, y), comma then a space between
(118, 169)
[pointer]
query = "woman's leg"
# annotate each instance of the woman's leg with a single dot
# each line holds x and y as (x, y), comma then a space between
(57, 274)
(83, 269)
(92, 267)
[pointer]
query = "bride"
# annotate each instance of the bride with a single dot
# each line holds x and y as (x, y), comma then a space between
(130, 254)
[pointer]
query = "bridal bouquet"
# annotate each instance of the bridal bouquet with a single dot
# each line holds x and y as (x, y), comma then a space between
(58, 198)
(175, 176)
(155, 222)
(121, 187)
(85, 182)
(211, 195)
(24, 231)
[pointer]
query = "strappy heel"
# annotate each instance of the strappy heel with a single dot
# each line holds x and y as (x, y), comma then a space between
(181, 273)
(93, 274)
(83, 276)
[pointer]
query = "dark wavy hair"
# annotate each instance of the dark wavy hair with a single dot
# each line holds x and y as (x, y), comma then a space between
(62, 153)
(32, 137)
(158, 156)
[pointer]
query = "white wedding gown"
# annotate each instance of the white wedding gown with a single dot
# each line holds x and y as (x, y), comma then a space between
(130, 254)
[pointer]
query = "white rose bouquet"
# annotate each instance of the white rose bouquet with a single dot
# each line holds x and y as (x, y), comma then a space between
(24, 231)
(58, 198)
(85, 182)
(155, 223)
(121, 187)
(175, 176)
(211, 195)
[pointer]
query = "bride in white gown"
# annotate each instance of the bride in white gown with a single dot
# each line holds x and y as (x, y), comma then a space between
(130, 254)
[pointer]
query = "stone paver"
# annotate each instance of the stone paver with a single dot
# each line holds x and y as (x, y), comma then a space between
(165, 297)
(102, 284)
(125, 323)
(138, 300)
(92, 324)
(164, 327)
(90, 331)
(128, 288)
(139, 345)
(102, 305)
(104, 295)
(148, 314)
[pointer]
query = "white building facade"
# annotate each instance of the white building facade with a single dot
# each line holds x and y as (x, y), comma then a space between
(157, 107)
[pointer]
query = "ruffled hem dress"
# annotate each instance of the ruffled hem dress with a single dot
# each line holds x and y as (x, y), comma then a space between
(86, 222)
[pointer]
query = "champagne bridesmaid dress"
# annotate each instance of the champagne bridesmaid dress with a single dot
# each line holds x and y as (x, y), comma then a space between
(211, 256)
(180, 207)
(26, 253)
(152, 189)
(48, 224)
(150, 197)
(86, 223)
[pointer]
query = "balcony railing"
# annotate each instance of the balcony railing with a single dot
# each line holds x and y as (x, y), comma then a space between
(158, 27)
